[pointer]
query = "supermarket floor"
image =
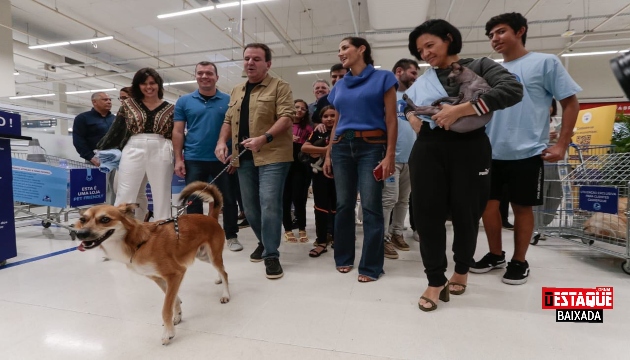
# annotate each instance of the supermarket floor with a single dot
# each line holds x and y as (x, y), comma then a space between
(73, 305)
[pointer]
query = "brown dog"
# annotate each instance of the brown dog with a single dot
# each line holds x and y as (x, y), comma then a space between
(156, 249)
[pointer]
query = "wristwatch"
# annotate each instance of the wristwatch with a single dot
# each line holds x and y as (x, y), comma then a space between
(269, 137)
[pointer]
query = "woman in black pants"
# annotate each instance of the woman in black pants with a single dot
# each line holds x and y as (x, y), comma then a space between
(449, 170)
(298, 178)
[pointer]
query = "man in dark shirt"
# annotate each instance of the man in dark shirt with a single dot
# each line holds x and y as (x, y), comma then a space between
(337, 72)
(88, 129)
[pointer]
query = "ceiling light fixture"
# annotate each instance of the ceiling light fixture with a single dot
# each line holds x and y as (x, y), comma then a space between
(594, 53)
(325, 71)
(30, 96)
(73, 42)
(208, 8)
(180, 82)
(89, 91)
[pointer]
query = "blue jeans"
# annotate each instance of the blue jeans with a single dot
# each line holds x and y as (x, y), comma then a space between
(353, 162)
(261, 189)
(207, 171)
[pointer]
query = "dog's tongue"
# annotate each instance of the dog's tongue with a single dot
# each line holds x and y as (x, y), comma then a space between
(80, 247)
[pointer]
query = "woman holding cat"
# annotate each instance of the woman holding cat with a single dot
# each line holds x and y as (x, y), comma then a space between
(449, 170)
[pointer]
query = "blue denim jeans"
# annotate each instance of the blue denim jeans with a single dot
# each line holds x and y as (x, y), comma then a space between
(353, 162)
(261, 189)
(206, 171)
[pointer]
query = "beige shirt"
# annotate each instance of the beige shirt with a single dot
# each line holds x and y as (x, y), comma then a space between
(269, 101)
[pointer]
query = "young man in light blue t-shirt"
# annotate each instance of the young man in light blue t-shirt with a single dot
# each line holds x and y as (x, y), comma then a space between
(519, 136)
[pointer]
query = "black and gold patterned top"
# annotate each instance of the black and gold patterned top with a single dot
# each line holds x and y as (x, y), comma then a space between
(135, 118)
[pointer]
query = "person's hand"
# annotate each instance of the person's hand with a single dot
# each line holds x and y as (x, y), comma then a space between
(447, 116)
(389, 167)
(254, 144)
(553, 135)
(221, 152)
(554, 153)
(296, 138)
(95, 161)
(180, 168)
(327, 167)
(320, 128)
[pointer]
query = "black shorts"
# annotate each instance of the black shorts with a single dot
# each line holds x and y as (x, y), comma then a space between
(523, 178)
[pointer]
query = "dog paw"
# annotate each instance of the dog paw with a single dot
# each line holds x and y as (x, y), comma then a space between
(225, 299)
(167, 335)
(177, 318)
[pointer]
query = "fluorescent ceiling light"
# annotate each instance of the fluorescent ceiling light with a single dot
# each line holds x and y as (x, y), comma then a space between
(236, 3)
(63, 43)
(595, 53)
(49, 45)
(180, 82)
(91, 40)
(89, 91)
(208, 8)
(186, 12)
(30, 96)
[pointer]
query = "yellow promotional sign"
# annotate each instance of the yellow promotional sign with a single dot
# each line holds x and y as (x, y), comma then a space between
(593, 130)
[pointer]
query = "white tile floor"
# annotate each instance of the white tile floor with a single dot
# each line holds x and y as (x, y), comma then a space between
(75, 306)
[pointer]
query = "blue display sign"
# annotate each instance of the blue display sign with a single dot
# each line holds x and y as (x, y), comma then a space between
(10, 123)
(87, 187)
(599, 199)
(177, 184)
(39, 183)
(8, 248)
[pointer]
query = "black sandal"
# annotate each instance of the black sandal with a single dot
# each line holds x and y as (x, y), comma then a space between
(315, 252)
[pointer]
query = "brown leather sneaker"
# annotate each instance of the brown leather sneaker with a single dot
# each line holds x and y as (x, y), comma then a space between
(399, 243)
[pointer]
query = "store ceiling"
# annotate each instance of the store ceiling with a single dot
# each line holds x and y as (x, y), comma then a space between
(304, 35)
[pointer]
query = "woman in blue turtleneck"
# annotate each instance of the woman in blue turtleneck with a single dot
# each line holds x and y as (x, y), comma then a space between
(364, 140)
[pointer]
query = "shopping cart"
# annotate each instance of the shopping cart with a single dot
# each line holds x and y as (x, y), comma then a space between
(592, 204)
(55, 183)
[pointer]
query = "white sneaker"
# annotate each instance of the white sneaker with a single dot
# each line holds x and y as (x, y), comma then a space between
(234, 245)
(416, 236)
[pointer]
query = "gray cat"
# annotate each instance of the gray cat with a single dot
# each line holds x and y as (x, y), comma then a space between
(471, 86)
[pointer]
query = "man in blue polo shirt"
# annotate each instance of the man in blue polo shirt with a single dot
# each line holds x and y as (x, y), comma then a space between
(89, 128)
(202, 113)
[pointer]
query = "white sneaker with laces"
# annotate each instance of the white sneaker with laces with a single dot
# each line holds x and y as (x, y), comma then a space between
(234, 245)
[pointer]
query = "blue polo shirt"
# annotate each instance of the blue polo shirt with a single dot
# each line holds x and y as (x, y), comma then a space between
(88, 129)
(203, 123)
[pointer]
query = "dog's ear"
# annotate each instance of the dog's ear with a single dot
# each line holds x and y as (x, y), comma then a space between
(128, 208)
(82, 211)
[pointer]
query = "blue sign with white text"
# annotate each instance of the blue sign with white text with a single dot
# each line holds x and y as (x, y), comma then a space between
(39, 183)
(8, 248)
(599, 199)
(10, 123)
(87, 187)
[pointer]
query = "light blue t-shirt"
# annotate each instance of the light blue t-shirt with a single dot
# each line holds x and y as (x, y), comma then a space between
(203, 121)
(360, 99)
(406, 135)
(522, 131)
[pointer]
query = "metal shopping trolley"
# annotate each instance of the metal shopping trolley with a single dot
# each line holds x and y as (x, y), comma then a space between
(54, 182)
(592, 204)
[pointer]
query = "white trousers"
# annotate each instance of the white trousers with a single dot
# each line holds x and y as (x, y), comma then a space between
(150, 155)
(141, 200)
